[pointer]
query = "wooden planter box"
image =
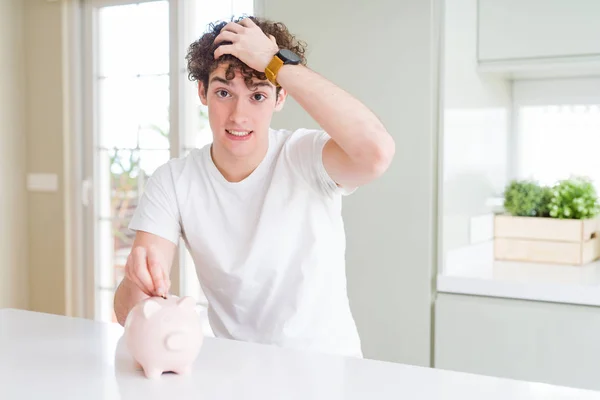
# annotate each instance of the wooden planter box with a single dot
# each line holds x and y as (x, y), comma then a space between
(546, 240)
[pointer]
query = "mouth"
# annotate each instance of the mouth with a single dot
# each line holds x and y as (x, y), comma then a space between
(238, 135)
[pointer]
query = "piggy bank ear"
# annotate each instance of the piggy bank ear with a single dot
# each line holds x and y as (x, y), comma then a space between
(150, 307)
(186, 301)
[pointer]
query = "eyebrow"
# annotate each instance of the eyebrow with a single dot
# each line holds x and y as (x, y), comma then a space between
(261, 83)
(219, 79)
(254, 86)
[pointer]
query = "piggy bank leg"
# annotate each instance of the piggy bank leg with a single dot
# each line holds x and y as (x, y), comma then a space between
(152, 372)
(185, 370)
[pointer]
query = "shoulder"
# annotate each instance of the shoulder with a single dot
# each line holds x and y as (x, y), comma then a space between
(301, 141)
(178, 169)
(295, 136)
(300, 148)
(302, 152)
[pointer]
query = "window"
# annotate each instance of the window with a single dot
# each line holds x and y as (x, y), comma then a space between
(558, 129)
(554, 134)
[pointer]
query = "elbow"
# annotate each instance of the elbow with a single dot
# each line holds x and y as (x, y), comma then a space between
(382, 155)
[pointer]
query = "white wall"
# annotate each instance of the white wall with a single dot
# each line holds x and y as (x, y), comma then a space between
(476, 127)
(381, 52)
(13, 200)
(46, 126)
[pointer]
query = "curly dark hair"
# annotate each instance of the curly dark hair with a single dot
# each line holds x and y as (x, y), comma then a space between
(200, 55)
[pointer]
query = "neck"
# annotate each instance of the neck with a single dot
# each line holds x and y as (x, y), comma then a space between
(235, 169)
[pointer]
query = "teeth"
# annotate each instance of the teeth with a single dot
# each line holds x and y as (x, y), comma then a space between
(238, 133)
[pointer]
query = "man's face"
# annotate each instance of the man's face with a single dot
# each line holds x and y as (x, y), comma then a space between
(239, 115)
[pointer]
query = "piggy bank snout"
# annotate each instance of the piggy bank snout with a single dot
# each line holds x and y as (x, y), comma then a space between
(175, 341)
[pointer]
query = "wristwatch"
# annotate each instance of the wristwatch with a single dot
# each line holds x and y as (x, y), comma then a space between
(283, 57)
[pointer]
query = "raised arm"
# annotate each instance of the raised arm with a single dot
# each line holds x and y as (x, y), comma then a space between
(361, 149)
(146, 273)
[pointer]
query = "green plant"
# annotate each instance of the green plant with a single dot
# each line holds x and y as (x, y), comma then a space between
(525, 198)
(574, 198)
(544, 208)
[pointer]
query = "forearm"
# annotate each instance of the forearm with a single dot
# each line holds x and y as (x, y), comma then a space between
(127, 296)
(150, 259)
(355, 128)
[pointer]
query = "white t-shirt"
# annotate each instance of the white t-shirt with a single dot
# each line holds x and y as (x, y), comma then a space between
(269, 251)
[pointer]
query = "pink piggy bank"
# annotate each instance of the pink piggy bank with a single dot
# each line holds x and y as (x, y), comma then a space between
(164, 335)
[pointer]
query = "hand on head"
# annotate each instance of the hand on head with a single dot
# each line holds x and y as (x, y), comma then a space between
(248, 43)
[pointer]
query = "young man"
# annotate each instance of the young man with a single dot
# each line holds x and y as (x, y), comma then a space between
(260, 209)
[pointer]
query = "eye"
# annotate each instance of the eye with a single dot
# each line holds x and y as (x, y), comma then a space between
(222, 93)
(258, 97)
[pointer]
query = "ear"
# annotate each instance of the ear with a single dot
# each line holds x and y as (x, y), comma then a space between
(280, 99)
(150, 308)
(187, 301)
(202, 93)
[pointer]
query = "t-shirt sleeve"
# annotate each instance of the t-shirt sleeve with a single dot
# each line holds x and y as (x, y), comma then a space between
(157, 211)
(305, 153)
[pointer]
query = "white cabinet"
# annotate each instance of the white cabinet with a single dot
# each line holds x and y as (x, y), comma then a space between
(528, 340)
(522, 30)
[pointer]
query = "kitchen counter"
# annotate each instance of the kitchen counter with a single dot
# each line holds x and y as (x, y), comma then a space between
(473, 270)
(44, 356)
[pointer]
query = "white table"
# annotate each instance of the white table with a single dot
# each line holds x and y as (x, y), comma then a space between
(45, 356)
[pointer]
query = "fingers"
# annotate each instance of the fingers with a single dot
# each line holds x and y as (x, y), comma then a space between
(225, 49)
(233, 27)
(130, 274)
(247, 22)
(157, 273)
(140, 285)
(167, 281)
(226, 36)
(137, 271)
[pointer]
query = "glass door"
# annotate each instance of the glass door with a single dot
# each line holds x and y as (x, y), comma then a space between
(131, 130)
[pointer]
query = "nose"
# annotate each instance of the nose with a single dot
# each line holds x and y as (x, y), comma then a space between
(175, 341)
(239, 113)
